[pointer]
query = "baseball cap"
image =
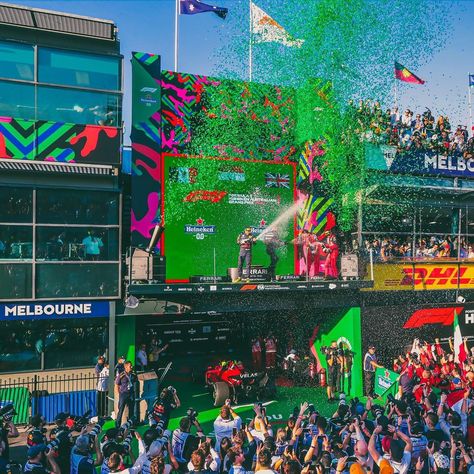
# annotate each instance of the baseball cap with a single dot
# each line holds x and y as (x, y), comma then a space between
(456, 381)
(371, 346)
(82, 443)
(61, 417)
(386, 443)
(33, 451)
(121, 357)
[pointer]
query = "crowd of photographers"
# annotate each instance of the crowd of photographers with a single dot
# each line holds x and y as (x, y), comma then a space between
(427, 427)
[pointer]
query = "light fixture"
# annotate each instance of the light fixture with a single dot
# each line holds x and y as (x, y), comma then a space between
(155, 237)
(132, 302)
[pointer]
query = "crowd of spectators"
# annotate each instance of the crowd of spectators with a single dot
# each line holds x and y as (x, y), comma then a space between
(401, 247)
(409, 131)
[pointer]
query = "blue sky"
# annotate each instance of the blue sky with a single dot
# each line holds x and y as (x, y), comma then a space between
(148, 25)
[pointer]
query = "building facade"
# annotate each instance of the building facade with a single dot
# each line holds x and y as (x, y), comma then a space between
(60, 187)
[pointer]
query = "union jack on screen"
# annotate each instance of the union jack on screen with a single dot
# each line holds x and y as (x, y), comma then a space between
(277, 180)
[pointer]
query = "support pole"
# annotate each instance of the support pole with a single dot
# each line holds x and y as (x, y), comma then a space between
(250, 41)
(176, 34)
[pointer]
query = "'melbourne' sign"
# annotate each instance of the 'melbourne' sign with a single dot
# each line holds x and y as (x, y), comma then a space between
(53, 310)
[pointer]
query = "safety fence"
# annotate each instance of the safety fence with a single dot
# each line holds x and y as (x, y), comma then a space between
(49, 395)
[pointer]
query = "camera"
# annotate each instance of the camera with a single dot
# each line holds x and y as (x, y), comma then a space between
(128, 441)
(97, 428)
(7, 412)
(192, 414)
(457, 435)
(61, 438)
(126, 426)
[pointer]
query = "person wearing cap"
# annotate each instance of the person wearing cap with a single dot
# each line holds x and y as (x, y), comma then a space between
(370, 364)
(62, 434)
(102, 390)
(37, 434)
(245, 241)
(396, 453)
(82, 461)
(38, 460)
(119, 366)
(8, 429)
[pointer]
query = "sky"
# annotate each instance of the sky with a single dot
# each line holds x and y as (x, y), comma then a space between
(148, 26)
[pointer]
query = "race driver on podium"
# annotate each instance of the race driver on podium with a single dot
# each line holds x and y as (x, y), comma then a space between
(246, 240)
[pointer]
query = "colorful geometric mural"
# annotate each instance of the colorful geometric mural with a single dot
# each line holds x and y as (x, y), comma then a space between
(203, 116)
(146, 146)
(58, 141)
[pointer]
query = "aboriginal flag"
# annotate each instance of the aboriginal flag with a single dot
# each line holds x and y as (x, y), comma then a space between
(403, 74)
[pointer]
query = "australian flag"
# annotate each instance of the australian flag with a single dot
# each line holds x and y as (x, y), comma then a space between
(193, 7)
(277, 180)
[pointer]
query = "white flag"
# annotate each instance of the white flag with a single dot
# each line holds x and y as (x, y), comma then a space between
(266, 30)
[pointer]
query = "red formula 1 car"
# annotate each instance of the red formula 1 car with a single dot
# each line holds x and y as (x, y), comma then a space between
(229, 379)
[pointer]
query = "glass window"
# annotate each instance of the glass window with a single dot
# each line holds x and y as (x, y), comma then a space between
(65, 206)
(76, 243)
(16, 204)
(16, 61)
(78, 107)
(17, 100)
(78, 69)
(16, 242)
(15, 281)
(20, 346)
(74, 343)
(76, 280)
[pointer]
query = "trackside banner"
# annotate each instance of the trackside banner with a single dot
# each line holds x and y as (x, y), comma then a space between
(422, 162)
(53, 310)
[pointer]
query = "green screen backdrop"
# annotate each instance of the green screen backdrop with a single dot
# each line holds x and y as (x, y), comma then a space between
(207, 202)
(345, 329)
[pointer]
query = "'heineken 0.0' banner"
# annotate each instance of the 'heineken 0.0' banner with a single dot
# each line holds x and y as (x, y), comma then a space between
(208, 202)
(385, 382)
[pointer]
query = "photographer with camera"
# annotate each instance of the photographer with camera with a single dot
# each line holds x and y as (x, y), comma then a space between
(115, 463)
(7, 428)
(160, 413)
(225, 423)
(40, 459)
(118, 441)
(183, 443)
(82, 460)
(334, 360)
(60, 441)
(37, 435)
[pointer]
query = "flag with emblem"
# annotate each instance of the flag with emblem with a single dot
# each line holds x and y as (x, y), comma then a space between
(403, 74)
(459, 350)
(193, 7)
(266, 30)
(277, 180)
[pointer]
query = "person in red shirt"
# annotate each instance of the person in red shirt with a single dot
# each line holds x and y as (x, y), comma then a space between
(332, 251)
(270, 352)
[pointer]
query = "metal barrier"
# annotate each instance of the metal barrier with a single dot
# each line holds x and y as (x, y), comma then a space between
(50, 395)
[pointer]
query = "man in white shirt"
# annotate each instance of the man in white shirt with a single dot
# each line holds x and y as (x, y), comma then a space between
(398, 457)
(225, 423)
(102, 390)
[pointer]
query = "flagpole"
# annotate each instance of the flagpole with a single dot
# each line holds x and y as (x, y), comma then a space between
(176, 14)
(250, 42)
(470, 105)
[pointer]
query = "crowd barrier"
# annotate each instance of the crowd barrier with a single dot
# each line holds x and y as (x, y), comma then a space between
(50, 395)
